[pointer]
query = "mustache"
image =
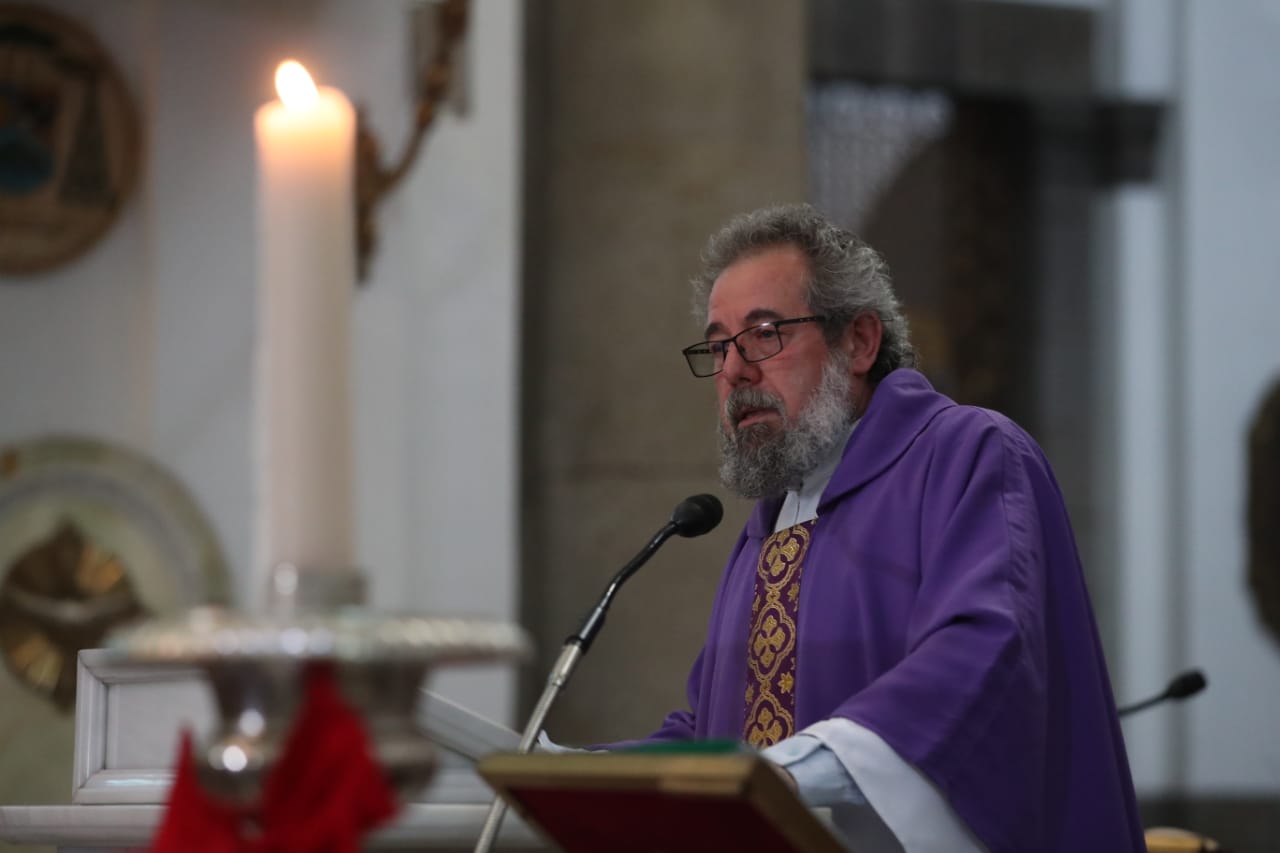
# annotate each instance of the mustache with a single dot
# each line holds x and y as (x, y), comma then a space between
(741, 400)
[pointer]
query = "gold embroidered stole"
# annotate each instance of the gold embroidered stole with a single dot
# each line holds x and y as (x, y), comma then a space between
(771, 647)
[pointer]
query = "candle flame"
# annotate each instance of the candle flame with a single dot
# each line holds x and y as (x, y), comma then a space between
(295, 86)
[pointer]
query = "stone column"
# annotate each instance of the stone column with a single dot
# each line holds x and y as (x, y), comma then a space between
(649, 123)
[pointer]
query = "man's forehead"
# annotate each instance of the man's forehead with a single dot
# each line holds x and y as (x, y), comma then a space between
(766, 286)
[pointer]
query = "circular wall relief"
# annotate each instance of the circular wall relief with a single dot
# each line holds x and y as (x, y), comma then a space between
(91, 537)
(69, 139)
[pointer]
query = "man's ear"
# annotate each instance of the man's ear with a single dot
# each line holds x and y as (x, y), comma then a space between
(862, 342)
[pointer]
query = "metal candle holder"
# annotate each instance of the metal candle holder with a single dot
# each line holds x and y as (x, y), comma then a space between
(257, 665)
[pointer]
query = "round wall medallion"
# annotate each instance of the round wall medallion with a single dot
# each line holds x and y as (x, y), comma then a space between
(91, 537)
(69, 140)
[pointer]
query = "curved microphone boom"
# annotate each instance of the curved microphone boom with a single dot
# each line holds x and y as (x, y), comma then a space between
(693, 516)
(1183, 686)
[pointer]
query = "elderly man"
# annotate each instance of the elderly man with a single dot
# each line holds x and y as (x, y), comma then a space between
(903, 624)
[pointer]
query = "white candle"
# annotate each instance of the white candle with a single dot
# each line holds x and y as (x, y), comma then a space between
(306, 264)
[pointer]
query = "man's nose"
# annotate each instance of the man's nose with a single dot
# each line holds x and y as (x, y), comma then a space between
(737, 370)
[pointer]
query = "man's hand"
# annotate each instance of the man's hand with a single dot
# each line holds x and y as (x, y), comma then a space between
(786, 776)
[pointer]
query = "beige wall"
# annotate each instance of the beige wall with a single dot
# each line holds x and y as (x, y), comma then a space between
(649, 123)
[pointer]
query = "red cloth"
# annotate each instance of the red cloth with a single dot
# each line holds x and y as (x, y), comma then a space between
(325, 792)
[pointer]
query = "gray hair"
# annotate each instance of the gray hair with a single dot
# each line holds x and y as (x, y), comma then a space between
(847, 277)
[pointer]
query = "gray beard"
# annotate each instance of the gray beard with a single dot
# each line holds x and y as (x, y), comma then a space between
(762, 460)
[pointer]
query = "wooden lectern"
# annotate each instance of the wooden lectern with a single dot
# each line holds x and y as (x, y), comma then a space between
(658, 802)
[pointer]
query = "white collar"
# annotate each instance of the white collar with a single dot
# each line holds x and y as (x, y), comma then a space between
(801, 504)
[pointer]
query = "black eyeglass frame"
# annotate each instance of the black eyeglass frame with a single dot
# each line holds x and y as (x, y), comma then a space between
(704, 347)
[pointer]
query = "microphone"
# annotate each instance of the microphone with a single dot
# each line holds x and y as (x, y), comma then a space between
(693, 516)
(1184, 686)
(697, 515)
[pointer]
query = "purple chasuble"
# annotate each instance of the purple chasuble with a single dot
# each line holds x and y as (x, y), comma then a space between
(945, 610)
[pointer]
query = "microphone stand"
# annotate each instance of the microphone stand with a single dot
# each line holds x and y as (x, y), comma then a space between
(574, 648)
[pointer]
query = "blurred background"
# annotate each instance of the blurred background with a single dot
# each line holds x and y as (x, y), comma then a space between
(1079, 201)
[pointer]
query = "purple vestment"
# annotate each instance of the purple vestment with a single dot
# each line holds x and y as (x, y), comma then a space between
(943, 607)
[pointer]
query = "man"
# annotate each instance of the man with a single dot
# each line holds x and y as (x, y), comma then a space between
(903, 623)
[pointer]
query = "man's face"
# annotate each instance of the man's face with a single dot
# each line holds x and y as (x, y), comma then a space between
(781, 416)
(768, 285)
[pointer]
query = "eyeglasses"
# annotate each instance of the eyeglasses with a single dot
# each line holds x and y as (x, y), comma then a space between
(755, 343)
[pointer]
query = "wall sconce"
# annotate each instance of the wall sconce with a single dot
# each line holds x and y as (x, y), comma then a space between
(373, 180)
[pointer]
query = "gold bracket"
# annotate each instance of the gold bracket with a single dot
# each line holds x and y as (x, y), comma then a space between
(373, 180)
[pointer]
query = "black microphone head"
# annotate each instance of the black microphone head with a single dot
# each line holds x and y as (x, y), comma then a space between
(1187, 684)
(697, 515)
